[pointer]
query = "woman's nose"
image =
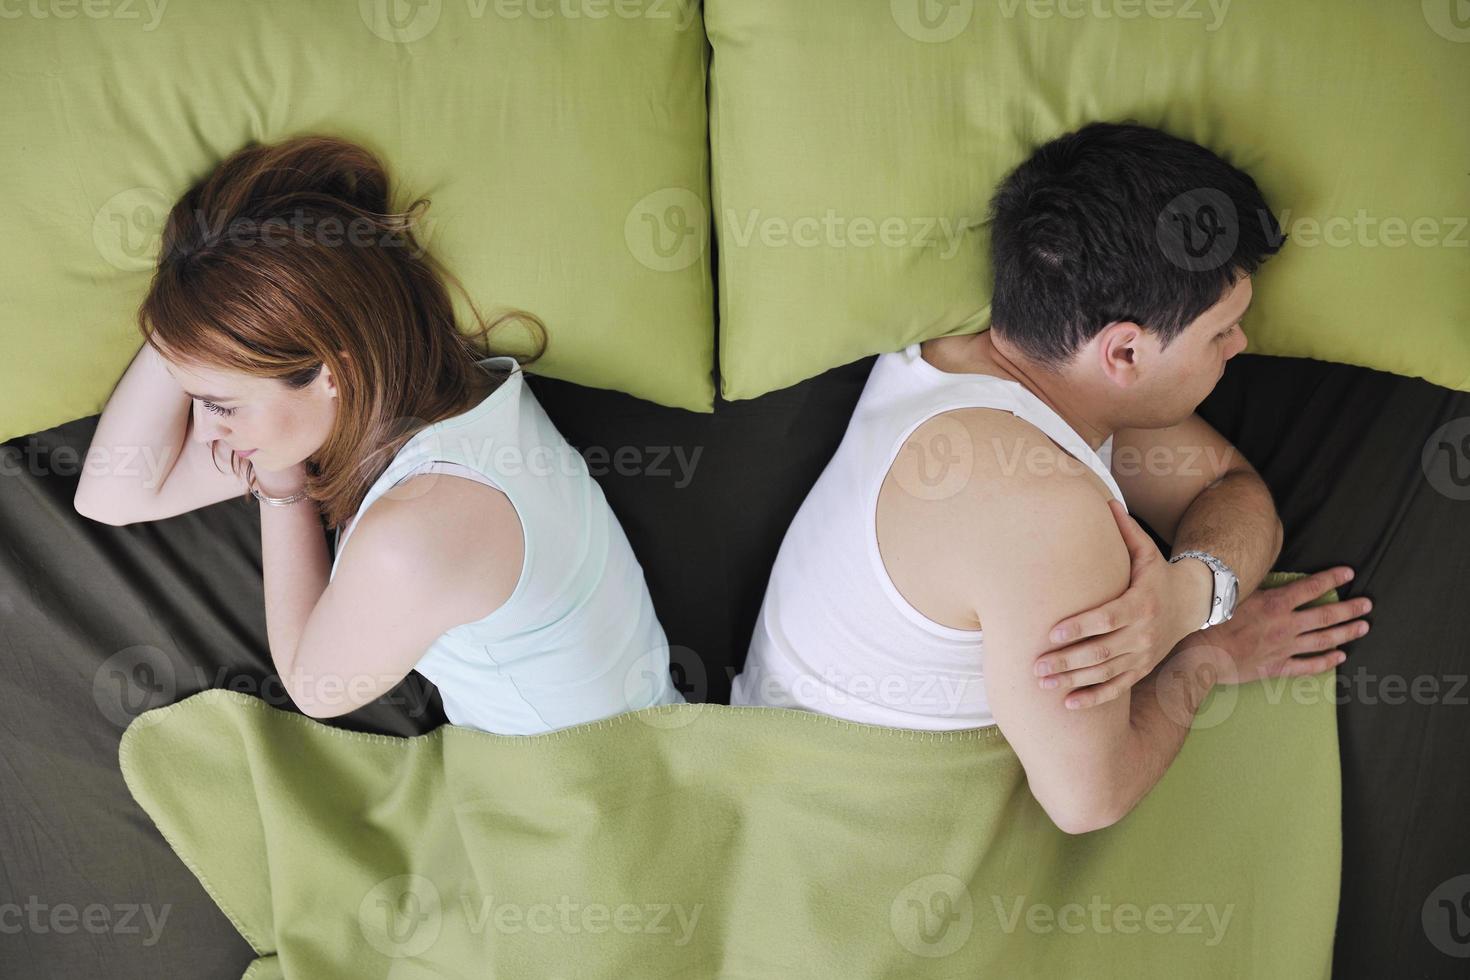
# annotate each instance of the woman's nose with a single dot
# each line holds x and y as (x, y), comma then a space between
(207, 427)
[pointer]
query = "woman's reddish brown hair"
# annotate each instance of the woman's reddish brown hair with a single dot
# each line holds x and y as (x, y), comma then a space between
(289, 253)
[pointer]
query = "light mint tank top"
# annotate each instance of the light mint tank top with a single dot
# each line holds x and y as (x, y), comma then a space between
(577, 640)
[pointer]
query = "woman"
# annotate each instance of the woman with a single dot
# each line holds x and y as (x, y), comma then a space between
(317, 344)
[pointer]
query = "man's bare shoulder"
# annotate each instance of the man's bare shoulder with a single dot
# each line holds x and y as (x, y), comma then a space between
(1004, 454)
(976, 491)
(1031, 518)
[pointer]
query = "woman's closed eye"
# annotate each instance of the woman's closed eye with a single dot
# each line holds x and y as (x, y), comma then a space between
(217, 409)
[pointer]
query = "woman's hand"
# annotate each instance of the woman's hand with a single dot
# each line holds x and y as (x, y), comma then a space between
(1123, 640)
(1269, 630)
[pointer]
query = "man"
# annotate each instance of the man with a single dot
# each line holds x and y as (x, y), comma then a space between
(981, 483)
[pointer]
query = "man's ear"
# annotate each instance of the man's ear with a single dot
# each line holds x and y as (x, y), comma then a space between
(1119, 346)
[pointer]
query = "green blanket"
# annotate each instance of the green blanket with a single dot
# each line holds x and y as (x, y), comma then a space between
(711, 841)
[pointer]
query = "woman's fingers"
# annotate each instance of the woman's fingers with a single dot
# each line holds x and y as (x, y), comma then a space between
(1302, 666)
(1328, 638)
(1319, 617)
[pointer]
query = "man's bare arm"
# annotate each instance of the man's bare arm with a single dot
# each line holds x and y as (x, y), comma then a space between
(1196, 491)
(1045, 546)
(1235, 520)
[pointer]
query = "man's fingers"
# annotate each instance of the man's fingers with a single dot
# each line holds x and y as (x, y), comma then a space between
(1135, 537)
(1090, 697)
(1304, 590)
(1104, 619)
(1302, 666)
(1329, 638)
(1319, 617)
(1095, 673)
(1107, 617)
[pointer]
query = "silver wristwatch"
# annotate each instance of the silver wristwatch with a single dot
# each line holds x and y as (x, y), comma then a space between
(1222, 604)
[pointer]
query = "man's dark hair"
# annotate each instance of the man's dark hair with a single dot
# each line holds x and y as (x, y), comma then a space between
(1117, 221)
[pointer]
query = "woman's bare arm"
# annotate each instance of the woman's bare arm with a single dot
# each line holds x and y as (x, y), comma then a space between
(143, 464)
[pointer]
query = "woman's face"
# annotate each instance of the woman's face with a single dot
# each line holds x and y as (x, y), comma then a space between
(262, 419)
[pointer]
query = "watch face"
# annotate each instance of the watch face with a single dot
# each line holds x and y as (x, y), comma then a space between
(1230, 593)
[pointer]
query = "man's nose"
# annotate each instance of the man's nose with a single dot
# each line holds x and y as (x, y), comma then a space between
(1239, 343)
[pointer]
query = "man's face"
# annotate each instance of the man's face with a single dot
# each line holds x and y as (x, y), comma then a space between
(1170, 382)
(1197, 357)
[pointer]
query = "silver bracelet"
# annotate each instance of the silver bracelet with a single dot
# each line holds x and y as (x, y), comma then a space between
(278, 501)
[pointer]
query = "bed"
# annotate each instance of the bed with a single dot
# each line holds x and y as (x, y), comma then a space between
(102, 623)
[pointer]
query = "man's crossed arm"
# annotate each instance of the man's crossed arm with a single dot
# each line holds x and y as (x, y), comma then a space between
(1045, 546)
(1197, 493)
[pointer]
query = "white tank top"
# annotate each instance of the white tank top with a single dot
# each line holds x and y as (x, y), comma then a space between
(834, 635)
(577, 641)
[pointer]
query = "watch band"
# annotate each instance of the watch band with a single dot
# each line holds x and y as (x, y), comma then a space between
(1221, 577)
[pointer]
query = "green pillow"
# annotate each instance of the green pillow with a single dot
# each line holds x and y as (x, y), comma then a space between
(855, 148)
(565, 157)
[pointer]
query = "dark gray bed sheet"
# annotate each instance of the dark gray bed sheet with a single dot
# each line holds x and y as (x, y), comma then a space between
(100, 623)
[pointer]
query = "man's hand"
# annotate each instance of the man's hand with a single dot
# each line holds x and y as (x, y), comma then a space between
(1122, 641)
(1268, 631)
